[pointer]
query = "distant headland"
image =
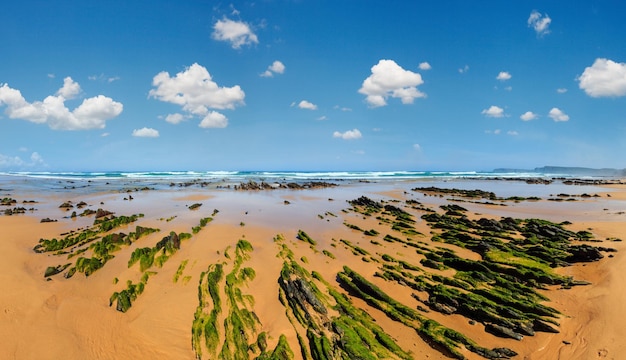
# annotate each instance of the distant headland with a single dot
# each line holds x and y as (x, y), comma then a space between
(567, 170)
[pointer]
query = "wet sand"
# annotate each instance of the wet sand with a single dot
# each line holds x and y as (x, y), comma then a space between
(71, 318)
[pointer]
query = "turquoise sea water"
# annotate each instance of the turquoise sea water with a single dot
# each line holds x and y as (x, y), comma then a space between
(90, 182)
(276, 175)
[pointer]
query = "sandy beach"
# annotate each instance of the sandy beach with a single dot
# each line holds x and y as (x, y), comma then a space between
(78, 317)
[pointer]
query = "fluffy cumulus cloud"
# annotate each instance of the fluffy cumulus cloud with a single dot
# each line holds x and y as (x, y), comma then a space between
(493, 111)
(425, 66)
(539, 22)
(214, 120)
(557, 114)
(464, 69)
(307, 105)
(195, 91)
(503, 76)
(528, 115)
(16, 162)
(69, 90)
(388, 79)
(605, 78)
(237, 33)
(146, 132)
(277, 67)
(92, 113)
(348, 135)
(175, 118)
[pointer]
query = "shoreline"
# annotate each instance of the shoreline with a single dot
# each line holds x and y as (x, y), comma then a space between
(59, 305)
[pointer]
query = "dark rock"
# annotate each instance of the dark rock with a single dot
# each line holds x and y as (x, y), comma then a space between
(47, 220)
(87, 212)
(366, 202)
(497, 353)
(442, 308)
(430, 264)
(140, 230)
(51, 270)
(298, 290)
(540, 325)
(66, 205)
(490, 225)
(503, 331)
(583, 253)
(443, 305)
(171, 241)
(7, 201)
(102, 213)
(194, 206)
(525, 328)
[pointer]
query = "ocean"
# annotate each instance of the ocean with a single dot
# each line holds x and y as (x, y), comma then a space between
(277, 175)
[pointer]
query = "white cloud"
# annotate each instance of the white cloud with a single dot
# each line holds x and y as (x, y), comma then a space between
(557, 114)
(348, 135)
(493, 111)
(503, 76)
(539, 22)
(92, 113)
(464, 69)
(51, 76)
(238, 33)
(528, 115)
(146, 132)
(234, 11)
(277, 67)
(512, 133)
(425, 66)
(7, 161)
(322, 118)
(102, 77)
(195, 91)
(70, 89)
(604, 78)
(175, 118)
(36, 159)
(214, 119)
(307, 105)
(417, 147)
(105, 134)
(10, 161)
(337, 107)
(561, 90)
(389, 79)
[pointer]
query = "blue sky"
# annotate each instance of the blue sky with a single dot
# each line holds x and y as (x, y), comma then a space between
(311, 85)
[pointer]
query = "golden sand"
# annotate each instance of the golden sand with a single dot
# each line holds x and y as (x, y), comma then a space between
(71, 318)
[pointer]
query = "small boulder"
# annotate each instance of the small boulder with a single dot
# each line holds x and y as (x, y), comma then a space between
(503, 331)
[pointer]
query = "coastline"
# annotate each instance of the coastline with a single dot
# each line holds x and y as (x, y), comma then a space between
(48, 318)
